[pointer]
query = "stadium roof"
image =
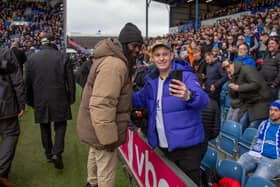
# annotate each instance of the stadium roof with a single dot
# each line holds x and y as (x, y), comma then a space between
(213, 2)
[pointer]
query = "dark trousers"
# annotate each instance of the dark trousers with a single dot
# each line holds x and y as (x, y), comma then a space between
(46, 136)
(188, 160)
(9, 132)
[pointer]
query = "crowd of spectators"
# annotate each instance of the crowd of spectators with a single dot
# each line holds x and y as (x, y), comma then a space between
(252, 40)
(251, 44)
(260, 3)
(232, 9)
(228, 10)
(27, 21)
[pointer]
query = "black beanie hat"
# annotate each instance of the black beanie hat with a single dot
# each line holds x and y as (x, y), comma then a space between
(130, 33)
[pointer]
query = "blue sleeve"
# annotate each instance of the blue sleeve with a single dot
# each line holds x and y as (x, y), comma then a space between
(236, 59)
(252, 63)
(139, 98)
(199, 98)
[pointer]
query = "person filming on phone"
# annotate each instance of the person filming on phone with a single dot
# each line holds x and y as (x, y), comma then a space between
(174, 100)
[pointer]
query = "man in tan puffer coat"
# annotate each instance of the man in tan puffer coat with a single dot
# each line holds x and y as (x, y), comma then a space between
(104, 112)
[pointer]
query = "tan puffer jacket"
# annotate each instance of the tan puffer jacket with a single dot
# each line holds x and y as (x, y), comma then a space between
(104, 111)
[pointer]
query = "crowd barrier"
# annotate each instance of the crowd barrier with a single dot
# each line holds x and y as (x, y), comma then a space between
(147, 167)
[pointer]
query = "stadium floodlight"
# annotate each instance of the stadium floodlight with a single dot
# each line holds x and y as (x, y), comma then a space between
(208, 1)
(189, 1)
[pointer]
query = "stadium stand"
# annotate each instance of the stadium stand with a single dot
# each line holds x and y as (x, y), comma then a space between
(28, 20)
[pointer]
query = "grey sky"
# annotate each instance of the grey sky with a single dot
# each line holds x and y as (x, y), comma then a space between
(89, 16)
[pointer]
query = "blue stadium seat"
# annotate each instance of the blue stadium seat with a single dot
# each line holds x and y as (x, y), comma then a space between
(230, 133)
(232, 169)
(214, 142)
(246, 139)
(256, 181)
(210, 159)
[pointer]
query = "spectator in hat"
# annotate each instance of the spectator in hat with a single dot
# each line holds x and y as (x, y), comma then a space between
(50, 90)
(104, 112)
(174, 100)
(264, 157)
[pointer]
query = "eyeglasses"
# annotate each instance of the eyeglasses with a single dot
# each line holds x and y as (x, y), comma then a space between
(240, 39)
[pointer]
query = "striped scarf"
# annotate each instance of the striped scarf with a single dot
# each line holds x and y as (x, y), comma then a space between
(268, 142)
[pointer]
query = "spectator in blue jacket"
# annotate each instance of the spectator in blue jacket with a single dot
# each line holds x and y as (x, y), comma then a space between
(244, 57)
(174, 111)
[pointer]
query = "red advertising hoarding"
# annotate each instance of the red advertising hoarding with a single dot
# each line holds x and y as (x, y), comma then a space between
(147, 167)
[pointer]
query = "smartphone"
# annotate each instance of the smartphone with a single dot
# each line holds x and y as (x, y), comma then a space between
(177, 74)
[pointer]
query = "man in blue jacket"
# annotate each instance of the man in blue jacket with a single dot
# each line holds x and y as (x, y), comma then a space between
(174, 105)
(244, 57)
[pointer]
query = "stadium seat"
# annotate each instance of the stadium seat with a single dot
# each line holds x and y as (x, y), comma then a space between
(210, 159)
(246, 139)
(256, 181)
(232, 169)
(214, 142)
(229, 136)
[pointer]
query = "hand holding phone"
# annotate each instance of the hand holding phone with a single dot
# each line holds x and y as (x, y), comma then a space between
(178, 89)
(174, 87)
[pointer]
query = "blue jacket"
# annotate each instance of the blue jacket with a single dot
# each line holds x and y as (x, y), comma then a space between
(247, 60)
(182, 119)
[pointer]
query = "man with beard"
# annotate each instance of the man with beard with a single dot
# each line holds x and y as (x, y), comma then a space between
(104, 112)
(264, 156)
(244, 57)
